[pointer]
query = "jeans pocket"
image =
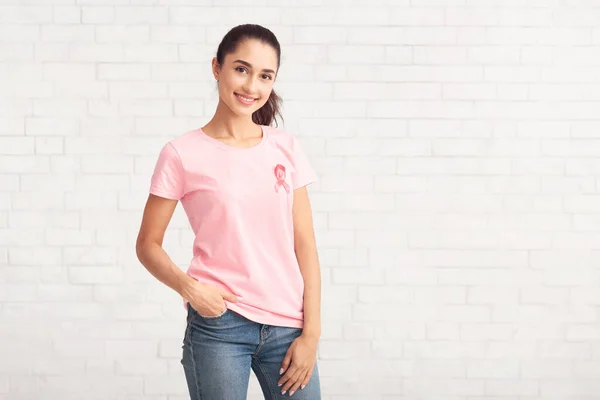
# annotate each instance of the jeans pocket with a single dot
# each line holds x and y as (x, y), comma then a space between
(213, 316)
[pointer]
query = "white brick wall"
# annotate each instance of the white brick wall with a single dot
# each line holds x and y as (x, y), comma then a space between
(457, 212)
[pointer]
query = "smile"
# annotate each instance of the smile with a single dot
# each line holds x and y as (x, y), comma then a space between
(245, 100)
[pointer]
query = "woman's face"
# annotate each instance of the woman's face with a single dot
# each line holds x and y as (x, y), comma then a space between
(246, 77)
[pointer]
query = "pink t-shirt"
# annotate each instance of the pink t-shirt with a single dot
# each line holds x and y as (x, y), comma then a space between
(239, 205)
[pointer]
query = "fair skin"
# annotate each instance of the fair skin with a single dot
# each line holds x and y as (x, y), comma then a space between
(250, 71)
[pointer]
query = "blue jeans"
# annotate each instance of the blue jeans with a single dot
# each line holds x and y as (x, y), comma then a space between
(218, 353)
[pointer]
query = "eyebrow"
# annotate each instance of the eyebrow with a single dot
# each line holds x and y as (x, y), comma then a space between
(247, 64)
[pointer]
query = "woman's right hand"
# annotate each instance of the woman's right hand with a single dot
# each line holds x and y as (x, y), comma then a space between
(207, 300)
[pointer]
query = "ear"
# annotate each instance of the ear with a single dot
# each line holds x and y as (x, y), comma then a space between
(215, 68)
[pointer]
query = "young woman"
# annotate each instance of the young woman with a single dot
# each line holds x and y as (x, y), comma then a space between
(252, 290)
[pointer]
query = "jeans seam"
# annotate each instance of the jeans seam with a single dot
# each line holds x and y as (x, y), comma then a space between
(257, 350)
(268, 379)
(260, 344)
(193, 358)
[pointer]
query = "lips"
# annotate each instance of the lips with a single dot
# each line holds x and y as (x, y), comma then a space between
(245, 99)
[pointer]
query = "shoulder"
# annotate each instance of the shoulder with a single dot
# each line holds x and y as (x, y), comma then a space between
(281, 138)
(184, 144)
(185, 139)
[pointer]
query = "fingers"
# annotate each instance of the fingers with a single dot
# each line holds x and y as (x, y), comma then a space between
(294, 376)
(285, 367)
(307, 378)
(298, 377)
(298, 382)
(231, 297)
(285, 364)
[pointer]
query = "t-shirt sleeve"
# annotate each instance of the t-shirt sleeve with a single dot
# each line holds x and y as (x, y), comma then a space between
(304, 173)
(168, 179)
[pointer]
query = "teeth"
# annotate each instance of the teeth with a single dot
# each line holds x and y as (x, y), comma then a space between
(245, 98)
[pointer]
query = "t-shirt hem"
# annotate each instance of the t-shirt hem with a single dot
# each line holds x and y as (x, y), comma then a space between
(274, 321)
(305, 183)
(161, 193)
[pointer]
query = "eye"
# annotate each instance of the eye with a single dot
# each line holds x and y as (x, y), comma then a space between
(267, 77)
(240, 68)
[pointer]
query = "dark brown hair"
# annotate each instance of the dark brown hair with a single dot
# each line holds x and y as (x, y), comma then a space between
(237, 35)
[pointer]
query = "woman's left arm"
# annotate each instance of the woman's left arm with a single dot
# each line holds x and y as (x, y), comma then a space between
(300, 359)
(308, 260)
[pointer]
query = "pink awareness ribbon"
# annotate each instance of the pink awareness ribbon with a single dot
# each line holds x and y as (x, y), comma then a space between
(280, 175)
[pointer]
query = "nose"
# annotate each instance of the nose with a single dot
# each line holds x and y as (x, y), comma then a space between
(250, 86)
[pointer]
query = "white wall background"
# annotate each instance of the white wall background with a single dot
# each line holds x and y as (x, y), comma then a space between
(457, 212)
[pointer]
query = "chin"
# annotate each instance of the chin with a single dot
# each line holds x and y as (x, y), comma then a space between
(244, 111)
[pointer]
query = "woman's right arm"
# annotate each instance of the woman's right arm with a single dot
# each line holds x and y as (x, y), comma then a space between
(156, 218)
(206, 299)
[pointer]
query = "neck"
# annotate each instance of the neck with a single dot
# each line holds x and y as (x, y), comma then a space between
(224, 124)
